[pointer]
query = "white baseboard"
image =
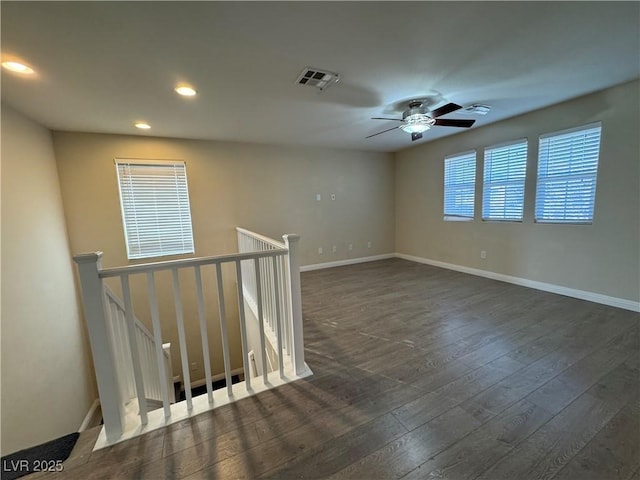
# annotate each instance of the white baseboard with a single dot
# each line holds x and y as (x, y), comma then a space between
(547, 287)
(348, 261)
(89, 418)
(525, 282)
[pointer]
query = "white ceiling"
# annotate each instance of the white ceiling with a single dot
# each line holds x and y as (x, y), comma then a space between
(103, 65)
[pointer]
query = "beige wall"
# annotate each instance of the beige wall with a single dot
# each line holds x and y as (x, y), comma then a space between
(268, 189)
(601, 258)
(47, 386)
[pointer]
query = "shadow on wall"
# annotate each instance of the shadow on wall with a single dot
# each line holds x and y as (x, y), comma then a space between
(344, 93)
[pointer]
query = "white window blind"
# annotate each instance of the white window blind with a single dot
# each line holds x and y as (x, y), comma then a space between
(567, 170)
(459, 186)
(505, 169)
(155, 208)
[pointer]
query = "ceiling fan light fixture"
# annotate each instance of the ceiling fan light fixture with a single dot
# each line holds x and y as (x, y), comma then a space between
(418, 119)
(417, 123)
(415, 127)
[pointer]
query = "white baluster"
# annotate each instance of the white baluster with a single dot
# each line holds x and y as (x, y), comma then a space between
(203, 333)
(116, 343)
(133, 345)
(154, 372)
(182, 338)
(151, 369)
(243, 325)
(263, 353)
(278, 320)
(168, 368)
(272, 299)
(121, 341)
(223, 331)
(151, 384)
(264, 284)
(143, 350)
(251, 278)
(286, 319)
(157, 337)
(266, 297)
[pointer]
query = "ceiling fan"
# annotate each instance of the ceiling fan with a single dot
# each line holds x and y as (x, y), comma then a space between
(417, 119)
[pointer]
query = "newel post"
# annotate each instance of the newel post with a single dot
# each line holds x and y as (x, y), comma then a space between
(293, 260)
(94, 305)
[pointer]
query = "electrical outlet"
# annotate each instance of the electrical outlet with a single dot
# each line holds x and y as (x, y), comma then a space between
(483, 254)
(350, 246)
(318, 197)
(320, 251)
(194, 366)
(334, 249)
(369, 244)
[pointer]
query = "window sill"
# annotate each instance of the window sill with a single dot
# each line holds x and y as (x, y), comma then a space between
(498, 220)
(563, 222)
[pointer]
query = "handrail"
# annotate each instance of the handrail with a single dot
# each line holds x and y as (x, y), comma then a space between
(263, 238)
(190, 262)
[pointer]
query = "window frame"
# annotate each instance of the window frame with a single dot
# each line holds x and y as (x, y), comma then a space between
(507, 182)
(180, 205)
(450, 216)
(560, 133)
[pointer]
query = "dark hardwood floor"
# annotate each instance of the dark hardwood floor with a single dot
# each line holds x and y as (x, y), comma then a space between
(420, 373)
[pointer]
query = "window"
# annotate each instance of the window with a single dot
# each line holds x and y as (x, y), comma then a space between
(505, 169)
(155, 208)
(459, 186)
(567, 169)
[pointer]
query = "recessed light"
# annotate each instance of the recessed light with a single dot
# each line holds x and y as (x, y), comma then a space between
(142, 125)
(185, 90)
(18, 67)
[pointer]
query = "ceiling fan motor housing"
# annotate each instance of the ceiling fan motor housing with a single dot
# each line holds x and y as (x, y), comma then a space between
(417, 119)
(415, 108)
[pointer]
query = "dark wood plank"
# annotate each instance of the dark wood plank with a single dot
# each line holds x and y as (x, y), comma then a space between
(116, 461)
(333, 456)
(556, 394)
(409, 451)
(549, 449)
(479, 450)
(268, 455)
(529, 379)
(613, 453)
(422, 372)
(284, 436)
(432, 404)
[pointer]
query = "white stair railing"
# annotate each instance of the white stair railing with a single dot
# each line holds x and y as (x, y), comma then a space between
(273, 279)
(128, 357)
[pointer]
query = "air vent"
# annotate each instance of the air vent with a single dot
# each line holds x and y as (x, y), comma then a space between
(320, 79)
